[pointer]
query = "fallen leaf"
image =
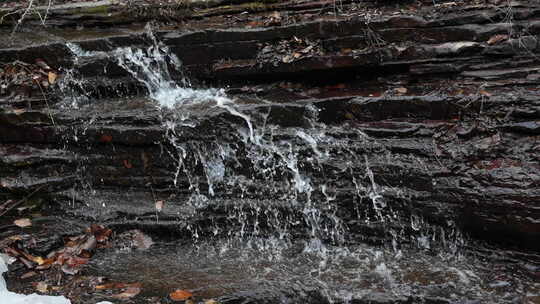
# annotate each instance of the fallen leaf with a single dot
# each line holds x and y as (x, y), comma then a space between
(23, 222)
(275, 15)
(485, 93)
(19, 111)
(15, 237)
(496, 39)
(159, 205)
(52, 77)
(38, 260)
(457, 92)
(287, 59)
(116, 285)
(255, 24)
(105, 138)
(41, 287)
(28, 275)
(401, 90)
(130, 292)
(42, 64)
(105, 286)
(180, 295)
(211, 301)
(127, 164)
(101, 233)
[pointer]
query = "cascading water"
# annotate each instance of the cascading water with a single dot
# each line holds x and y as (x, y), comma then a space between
(287, 202)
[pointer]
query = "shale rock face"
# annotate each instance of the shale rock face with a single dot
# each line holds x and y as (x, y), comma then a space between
(433, 108)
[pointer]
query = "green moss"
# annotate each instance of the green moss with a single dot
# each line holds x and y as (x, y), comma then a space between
(101, 9)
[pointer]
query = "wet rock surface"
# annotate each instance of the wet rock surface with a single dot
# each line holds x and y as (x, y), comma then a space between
(404, 125)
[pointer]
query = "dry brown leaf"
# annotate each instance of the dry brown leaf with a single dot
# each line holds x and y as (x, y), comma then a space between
(130, 292)
(211, 301)
(28, 275)
(38, 260)
(127, 164)
(402, 90)
(52, 77)
(105, 138)
(180, 295)
(19, 111)
(105, 286)
(485, 93)
(496, 39)
(23, 222)
(15, 237)
(255, 24)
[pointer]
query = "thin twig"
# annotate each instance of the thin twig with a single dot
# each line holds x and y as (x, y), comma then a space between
(42, 93)
(28, 8)
(7, 209)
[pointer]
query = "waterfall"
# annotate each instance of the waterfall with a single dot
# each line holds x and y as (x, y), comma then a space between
(298, 194)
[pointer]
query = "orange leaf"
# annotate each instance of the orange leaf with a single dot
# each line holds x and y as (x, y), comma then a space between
(128, 293)
(105, 138)
(105, 286)
(180, 295)
(496, 39)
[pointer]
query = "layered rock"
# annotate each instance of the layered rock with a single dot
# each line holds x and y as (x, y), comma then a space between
(441, 103)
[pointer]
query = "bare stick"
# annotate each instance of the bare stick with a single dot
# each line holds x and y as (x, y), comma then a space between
(28, 8)
(8, 208)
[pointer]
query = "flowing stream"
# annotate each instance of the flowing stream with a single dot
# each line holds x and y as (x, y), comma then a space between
(280, 207)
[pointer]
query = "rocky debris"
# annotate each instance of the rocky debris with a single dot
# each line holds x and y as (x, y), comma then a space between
(20, 80)
(287, 51)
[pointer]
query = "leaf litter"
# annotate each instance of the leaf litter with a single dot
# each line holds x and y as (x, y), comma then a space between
(61, 269)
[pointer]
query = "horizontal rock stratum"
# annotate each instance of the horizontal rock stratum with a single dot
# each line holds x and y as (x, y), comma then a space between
(441, 103)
